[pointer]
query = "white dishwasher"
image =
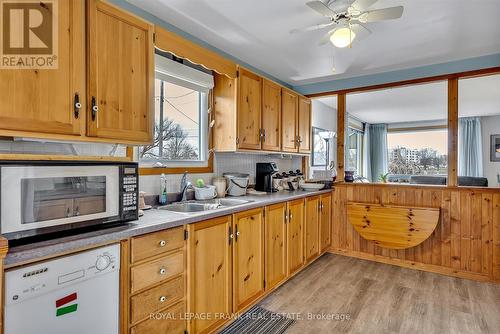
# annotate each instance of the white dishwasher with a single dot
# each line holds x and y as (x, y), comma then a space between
(77, 294)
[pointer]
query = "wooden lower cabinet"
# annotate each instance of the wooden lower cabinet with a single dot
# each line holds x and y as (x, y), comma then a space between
(248, 257)
(153, 288)
(170, 320)
(325, 226)
(210, 273)
(233, 261)
(311, 233)
(295, 236)
(275, 244)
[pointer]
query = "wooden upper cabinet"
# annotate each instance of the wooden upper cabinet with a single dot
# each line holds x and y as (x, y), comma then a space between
(42, 101)
(271, 116)
(248, 258)
(304, 126)
(325, 226)
(289, 119)
(120, 75)
(275, 244)
(209, 276)
(295, 236)
(312, 228)
(249, 110)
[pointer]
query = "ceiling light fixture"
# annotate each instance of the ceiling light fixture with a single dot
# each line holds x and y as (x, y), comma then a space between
(342, 37)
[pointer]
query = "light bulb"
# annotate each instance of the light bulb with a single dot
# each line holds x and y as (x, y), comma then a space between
(342, 37)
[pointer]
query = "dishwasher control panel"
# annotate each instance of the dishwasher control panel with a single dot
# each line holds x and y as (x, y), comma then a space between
(33, 280)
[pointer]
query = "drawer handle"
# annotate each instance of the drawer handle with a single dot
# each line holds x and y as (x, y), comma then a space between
(163, 243)
(163, 271)
(162, 299)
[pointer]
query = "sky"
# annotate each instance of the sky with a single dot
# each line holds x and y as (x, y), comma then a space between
(436, 139)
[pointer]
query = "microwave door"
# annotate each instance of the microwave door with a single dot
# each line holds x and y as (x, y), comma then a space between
(39, 196)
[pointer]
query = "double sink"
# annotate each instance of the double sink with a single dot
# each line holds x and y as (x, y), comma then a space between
(201, 206)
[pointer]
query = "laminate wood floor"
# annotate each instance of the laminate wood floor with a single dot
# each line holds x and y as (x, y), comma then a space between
(380, 298)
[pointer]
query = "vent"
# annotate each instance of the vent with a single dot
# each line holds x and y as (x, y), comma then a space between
(35, 272)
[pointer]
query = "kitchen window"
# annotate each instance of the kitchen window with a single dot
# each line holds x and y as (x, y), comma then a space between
(181, 116)
(354, 150)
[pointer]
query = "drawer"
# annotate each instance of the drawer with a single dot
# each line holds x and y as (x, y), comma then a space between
(156, 243)
(167, 321)
(147, 302)
(147, 274)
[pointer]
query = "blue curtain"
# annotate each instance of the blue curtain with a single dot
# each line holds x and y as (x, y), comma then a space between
(367, 161)
(376, 151)
(470, 148)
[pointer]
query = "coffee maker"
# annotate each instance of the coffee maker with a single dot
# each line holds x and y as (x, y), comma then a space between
(264, 176)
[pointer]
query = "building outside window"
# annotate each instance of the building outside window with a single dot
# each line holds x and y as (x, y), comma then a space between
(422, 152)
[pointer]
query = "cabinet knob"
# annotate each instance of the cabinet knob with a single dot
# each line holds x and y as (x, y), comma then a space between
(163, 271)
(162, 299)
(238, 233)
(162, 243)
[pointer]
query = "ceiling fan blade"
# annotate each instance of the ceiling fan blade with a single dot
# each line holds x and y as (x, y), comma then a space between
(311, 28)
(321, 8)
(360, 30)
(391, 13)
(362, 5)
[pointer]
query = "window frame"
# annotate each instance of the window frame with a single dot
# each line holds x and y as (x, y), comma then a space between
(191, 168)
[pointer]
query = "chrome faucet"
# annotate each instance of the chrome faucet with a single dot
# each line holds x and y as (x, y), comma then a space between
(185, 185)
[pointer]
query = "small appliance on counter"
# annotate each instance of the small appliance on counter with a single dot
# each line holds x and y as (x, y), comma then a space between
(264, 176)
(237, 183)
(220, 186)
(43, 197)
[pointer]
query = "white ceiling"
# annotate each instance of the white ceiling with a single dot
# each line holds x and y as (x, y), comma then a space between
(427, 102)
(257, 32)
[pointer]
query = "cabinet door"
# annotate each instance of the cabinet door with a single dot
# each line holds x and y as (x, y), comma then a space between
(209, 273)
(43, 100)
(121, 74)
(275, 247)
(248, 258)
(312, 228)
(295, 236)
(304, 126)
(325, 229)
(289, 119)
(271, 116)
(249, 110)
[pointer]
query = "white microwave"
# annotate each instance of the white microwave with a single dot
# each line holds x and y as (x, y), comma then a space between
(42, 197)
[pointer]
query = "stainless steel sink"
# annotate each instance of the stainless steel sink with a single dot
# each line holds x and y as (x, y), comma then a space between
(200, 206)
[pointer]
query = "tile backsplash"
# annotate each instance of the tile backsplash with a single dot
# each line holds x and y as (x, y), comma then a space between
(223, 162)
(245, 163)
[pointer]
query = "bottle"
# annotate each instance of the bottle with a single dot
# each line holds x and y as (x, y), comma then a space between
(162, 198)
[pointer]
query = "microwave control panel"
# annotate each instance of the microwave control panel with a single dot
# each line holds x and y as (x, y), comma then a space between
(129, 192)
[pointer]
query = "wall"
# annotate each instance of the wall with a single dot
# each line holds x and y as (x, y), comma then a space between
(490, 125)
(245, 163)
(223, 163)
(465, 243)
(325, 117)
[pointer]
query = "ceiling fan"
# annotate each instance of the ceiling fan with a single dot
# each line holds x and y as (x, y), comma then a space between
(349, 23)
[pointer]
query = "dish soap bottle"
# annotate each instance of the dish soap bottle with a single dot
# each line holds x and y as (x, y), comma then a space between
(162, 198)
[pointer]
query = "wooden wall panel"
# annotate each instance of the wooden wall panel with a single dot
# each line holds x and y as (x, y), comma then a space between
(465, 243)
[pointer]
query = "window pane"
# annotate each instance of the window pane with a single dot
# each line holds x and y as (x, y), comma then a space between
(402, 134)
(479, 131)
(178, 124)
(418, 152)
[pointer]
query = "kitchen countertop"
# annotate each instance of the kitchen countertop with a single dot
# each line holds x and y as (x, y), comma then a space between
(152, 221)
